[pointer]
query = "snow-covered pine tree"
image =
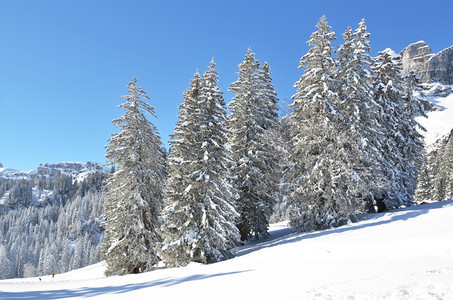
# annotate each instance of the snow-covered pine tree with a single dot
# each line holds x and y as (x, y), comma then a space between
(424, 186)
(268, 114)
(324, 185)
(360, 111)
(435, 181)
(447, 166)
(21, 193)
(177, 211)
(255, 168)
(281, 138)
(439, 185)
(199, 216)
(6, 267)
(274, 141)
(413, 149)
(402, 145)
(134, 190)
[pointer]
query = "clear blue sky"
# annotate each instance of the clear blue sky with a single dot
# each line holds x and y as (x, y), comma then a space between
(65, 64)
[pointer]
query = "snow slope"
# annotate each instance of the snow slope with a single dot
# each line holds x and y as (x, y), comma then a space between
(439, 122)
(403, 254)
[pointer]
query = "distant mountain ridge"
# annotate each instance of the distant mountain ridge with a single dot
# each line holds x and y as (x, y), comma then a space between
(75, 169)
(61, 181)
(430, 67)
(78, 170)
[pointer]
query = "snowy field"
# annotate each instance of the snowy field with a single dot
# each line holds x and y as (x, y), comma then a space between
(404, 254)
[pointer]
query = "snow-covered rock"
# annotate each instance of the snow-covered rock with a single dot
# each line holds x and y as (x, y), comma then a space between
(11, 174)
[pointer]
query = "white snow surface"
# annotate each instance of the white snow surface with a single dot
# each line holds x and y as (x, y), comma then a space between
(440, 122)
(403, 254)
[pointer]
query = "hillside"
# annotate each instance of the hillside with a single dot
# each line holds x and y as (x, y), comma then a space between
(48, 181)
(404, 254)
(440, 121)
(50, 218)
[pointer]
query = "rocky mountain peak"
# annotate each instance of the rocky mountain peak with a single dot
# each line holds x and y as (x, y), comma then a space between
(430, 67)
(415, 56)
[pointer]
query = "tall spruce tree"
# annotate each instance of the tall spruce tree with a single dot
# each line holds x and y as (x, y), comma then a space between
(360, 111)
(134, 190)
(273, 153)
(322, 157)
(402, 145)
(199, 217)
(253, 114)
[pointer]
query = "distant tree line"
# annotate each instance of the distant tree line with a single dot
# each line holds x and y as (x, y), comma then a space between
(60, 234)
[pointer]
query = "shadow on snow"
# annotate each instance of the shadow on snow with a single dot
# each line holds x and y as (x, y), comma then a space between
(104, 290)
(278, 237)
(287, 235)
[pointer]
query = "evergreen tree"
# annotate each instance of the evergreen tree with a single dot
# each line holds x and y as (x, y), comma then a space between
(199, 217)
(440, 181)
(402, 145)
(6, 267)
(134, 191)
(281, 138)
(448, 165)
(360, 112)
(435, 181)
(413, 148)
(272, 141)
(424, 186)
(255, 169)
(322, 157)
(21, 193)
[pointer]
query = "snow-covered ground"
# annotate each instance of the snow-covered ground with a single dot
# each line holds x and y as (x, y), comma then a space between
(404, 254)
(439, 122)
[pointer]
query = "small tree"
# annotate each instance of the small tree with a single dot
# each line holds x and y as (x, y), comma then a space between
(134, 190)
